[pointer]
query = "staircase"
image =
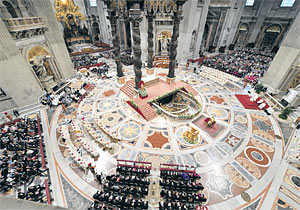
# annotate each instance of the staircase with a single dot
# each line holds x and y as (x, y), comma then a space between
(190, 89)
(128, 88)
(147, 111)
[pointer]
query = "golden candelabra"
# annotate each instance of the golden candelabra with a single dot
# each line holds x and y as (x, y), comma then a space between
(66, 10)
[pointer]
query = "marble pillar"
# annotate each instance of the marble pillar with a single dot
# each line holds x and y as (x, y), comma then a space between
(264, 9)
(16, 77)
(211, 26)
(150, 40)
(201, 27)
(287, 56)
(231, 23)
(54, 37)
(137, 62)
(104, 30)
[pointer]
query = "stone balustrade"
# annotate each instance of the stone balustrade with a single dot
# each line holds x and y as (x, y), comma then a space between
(25, 27)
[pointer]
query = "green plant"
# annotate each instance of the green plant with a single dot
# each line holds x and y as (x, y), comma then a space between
(134, 104)
(259, 88)
(285, 113)
(158, 111)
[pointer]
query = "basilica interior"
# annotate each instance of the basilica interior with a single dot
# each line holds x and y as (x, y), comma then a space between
(150, 104)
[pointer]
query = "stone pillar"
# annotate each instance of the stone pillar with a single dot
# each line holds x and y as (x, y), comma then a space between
(54, 37)
(116, 43)
(287, 56)
(264, 9)
(231, 23)
(260, 36)
(103, 23)
(211, 26)
(16, 77)
(135, 24)
(201, 27)
(219, 27)
(150, 40)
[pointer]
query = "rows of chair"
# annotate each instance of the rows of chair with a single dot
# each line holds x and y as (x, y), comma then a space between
(124, 190)
(23, 160)
(181, 189)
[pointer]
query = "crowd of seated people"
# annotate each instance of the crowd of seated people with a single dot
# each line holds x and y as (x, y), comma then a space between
(126, 59)
(102, 70)
(124, 190)
(241, 62)
(34, 193)
(21, 159)
(85, 60)
(180, 189)
(66, 97)
(91, 59)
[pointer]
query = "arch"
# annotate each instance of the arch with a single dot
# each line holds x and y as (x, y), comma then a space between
(271, 34)
(205, 34)
(242, 33)
(96, 31)
(11, 10)
(274, 28)
(95, 27)
(36, 50)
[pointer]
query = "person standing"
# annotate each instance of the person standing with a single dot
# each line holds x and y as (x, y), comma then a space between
(16, 112)
(8, 116)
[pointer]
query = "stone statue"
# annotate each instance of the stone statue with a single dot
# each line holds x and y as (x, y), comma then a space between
(39, 68)
(297, 88)
(193, 41)
(164, 45)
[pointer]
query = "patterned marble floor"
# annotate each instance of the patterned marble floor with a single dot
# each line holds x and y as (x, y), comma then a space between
(241, 160)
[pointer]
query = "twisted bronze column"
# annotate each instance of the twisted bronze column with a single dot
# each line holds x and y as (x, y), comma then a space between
(177, 17)
(137, 62)
(150, 40)
(173, 47)
(116, 44)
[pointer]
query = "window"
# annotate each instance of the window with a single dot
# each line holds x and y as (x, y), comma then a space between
(287, 3)
(93, 3)
(250, 2)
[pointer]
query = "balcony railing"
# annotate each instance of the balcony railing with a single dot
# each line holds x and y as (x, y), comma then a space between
(25, 27)
(25, 23)
(219, 3)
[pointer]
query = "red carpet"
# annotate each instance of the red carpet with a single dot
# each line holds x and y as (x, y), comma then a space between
(245, 101)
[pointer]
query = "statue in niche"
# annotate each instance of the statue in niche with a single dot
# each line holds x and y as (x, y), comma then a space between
(38, 65)
(193, 41)
(40, 68)
(164, 43)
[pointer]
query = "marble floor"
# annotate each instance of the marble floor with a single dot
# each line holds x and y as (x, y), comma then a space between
(243, 160)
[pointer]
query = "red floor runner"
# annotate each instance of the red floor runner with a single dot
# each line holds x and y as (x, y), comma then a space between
(245, 101)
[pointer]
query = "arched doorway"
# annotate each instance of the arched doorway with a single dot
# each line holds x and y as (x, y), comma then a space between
(11, 10)
(96, 31)
(270, 35)
(205, 35)
(242, 33)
